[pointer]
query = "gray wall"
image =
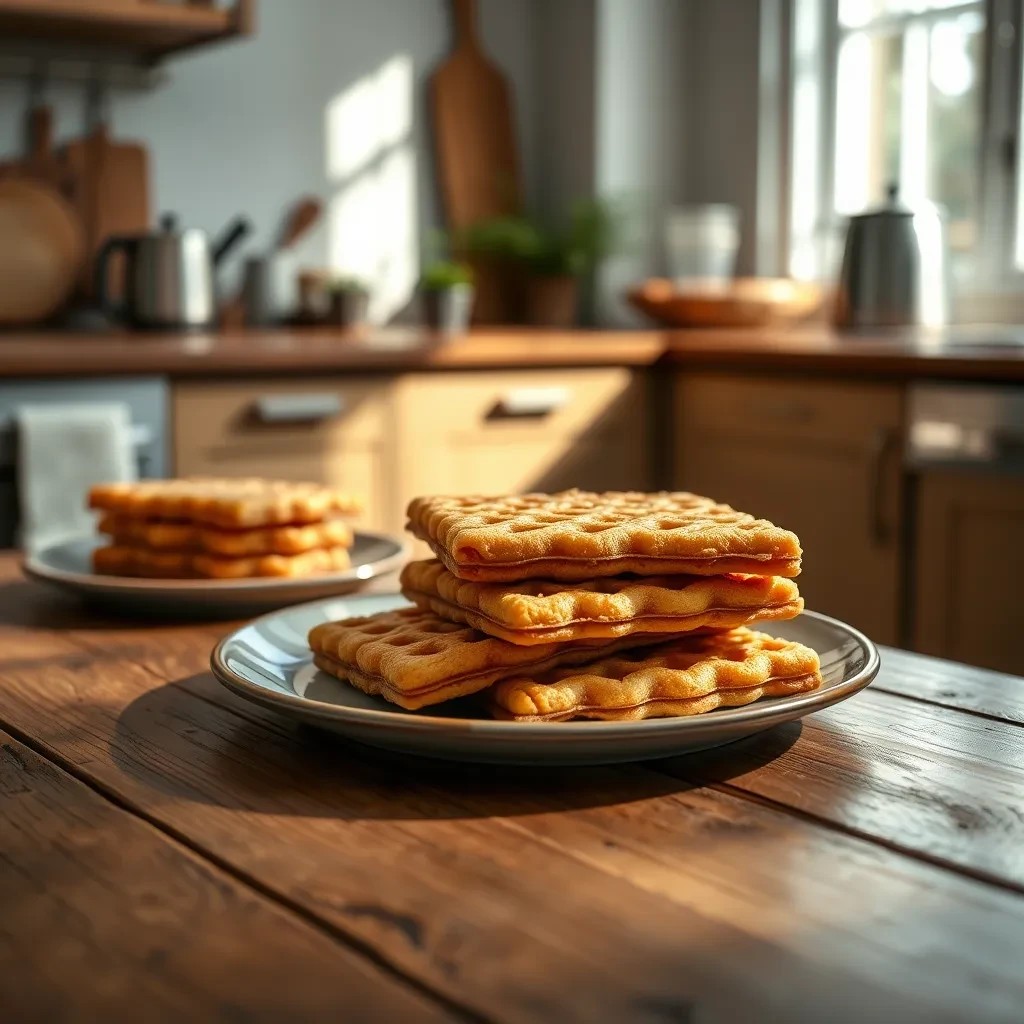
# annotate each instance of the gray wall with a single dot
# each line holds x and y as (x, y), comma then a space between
(643, 135)
(722, 80)
(245, 127)
(652, 100)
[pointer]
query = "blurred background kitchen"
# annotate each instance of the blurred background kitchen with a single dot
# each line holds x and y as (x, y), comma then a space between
(769, 250)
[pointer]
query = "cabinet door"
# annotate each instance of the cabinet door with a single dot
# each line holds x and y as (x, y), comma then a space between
(819, 458)
(304, 429)
(969, 564)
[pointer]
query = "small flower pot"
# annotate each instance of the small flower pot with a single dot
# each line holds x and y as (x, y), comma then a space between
(448, 310)
(349, 309)
(551, 301)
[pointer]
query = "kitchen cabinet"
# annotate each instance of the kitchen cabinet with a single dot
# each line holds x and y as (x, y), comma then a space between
(339, 433)
(968, 567)
(819, 457)
(503, 432)
(392, 438)
(532, 430)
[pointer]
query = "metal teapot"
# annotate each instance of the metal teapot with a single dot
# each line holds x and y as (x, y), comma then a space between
(895, 270)
(170, 279)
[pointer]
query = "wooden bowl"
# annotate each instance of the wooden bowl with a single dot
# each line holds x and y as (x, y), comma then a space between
(743, 302)
(42, 251)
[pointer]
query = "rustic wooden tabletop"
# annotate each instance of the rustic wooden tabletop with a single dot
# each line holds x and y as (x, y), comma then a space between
(168, 853)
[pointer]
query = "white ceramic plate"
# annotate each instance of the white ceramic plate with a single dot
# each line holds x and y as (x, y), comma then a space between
(268, 661)
(69, 566)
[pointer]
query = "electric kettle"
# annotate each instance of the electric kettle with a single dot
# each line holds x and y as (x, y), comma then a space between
(170, 275)
(895, 270)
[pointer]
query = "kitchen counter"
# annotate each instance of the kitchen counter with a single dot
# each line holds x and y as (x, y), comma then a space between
(314, 350)
(164, 844)
(978, 354)
(975, 353)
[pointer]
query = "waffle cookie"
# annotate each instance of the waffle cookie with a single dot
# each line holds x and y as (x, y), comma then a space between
(263, 540)
(413, 658)
(686, 676)
(133, 560)
(542, 611)
(578, 535)
(223, 502)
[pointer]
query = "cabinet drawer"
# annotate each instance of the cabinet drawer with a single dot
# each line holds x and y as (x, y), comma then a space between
(306, 429)
(506, 432)
(788, 407)
(257, 414)
(475, 406)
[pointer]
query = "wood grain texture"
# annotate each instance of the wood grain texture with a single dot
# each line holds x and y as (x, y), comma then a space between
(104, 916)
(952, 685)
(512, 892)
(930, 781)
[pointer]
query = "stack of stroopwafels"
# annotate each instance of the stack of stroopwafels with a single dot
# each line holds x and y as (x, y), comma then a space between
(221, 529)
(524, 586)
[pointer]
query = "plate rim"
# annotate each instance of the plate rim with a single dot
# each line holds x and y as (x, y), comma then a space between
(34, 568)
(405, 721)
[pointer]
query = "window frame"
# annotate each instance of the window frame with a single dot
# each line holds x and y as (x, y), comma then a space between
(807, 34)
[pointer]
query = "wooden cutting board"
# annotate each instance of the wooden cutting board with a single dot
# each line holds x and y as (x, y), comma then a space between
(110, 191)
(474, 129)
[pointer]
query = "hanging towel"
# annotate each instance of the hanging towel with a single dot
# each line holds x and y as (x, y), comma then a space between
(62, 451)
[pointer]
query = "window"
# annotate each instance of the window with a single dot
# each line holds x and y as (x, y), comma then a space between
(920, 95)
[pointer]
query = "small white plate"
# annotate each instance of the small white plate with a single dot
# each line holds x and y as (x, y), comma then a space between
(69, 566)
(269, 662)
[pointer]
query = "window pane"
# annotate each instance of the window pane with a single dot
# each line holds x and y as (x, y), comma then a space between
(909, 112)
(868, 104)
(954, 120)
(858, 13)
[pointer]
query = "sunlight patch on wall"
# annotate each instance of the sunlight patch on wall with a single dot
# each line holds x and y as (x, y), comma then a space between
(372, 216)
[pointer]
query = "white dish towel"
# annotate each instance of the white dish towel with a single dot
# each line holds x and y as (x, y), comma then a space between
(62, 451)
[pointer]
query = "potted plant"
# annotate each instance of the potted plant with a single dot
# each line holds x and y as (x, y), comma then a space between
(551, 293)
(538, 269)
(447, 289)
(350, 301)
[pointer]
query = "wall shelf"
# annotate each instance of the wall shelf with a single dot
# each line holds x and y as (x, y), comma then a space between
(141, 30)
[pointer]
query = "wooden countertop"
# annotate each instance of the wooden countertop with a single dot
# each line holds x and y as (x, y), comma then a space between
(311, 350)
(974, 353)
(984, 353)
(165, 845)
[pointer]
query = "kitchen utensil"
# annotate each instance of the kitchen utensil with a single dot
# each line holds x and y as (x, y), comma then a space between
(38, 161)
(269, 289)
(41, 251)
(110, 189)
(895, 268)
(269, 662)
(474, 129)
(301, 217)
(701, 244)
(269, 292)
(68, 566)
(171, 280)
(742, 302)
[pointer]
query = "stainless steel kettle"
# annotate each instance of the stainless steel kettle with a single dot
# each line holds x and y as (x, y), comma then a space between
(170, 275)
(895, 270)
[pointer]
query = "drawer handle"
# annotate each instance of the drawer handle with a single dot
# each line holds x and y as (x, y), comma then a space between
(297, 408)
(529, 402)
(882, 443)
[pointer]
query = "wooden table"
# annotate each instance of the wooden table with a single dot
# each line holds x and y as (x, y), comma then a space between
(169, 853)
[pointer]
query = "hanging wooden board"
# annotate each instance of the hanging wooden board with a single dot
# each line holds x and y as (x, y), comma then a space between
(474, 130)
